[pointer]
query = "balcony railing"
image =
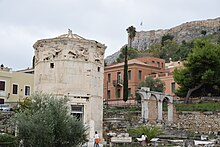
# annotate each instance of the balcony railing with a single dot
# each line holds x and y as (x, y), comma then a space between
(118, 83)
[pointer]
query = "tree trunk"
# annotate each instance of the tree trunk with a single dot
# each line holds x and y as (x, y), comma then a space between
(190, 92)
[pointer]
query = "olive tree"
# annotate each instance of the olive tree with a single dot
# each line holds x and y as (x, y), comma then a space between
(47, 122)
(154, 84)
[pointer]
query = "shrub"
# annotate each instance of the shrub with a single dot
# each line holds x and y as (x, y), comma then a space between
(8, 140)
(47, 122)
(150, 131)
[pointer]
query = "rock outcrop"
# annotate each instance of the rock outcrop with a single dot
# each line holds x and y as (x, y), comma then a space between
(112, 58)
(184, 32)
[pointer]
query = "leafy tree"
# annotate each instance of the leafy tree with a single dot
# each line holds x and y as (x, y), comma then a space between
(165, 38)
(131, 54)
(47, 122)
(202, 69)
(154, 84)
(183, 50)
(155, 50)
(218, 41)
(23, 105)
(151, 132)
(168, 49)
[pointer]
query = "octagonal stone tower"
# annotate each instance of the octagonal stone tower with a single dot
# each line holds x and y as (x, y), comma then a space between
(72, 66)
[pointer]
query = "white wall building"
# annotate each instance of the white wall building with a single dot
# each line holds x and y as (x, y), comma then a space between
(72, 66)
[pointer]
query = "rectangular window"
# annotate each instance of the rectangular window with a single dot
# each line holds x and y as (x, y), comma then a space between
(108, 94)
(77, 111)
(27, 90)
(118, 93)
(51, 65)
(129, 92)
(118, 77)
(158, 64)
(15, 89)
(98, 69)
(129, 75)
(173, 87)
(109, 78)
(139, 74)
(2, 85)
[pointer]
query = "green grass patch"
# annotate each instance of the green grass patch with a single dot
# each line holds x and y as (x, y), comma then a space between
(205, 106)
(208, 106)
(122, 109)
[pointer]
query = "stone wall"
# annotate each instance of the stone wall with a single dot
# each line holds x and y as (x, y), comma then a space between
(6, 123)
(120, 122)
(195, 122)
(201, 122)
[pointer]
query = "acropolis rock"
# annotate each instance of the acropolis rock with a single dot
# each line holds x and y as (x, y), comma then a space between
(184, 32)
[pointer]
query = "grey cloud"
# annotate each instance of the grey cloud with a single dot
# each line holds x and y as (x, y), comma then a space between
(24, 22)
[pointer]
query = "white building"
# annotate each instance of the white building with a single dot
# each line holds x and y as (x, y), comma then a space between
(72, 66)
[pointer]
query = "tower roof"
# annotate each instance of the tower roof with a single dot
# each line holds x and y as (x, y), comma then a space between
(70, 35)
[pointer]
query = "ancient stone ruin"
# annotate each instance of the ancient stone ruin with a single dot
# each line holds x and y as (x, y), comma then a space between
(71, 66)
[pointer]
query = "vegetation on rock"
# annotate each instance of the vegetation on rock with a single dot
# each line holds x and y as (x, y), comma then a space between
(131, 54)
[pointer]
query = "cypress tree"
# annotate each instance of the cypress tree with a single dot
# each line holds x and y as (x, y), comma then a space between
(125, 85)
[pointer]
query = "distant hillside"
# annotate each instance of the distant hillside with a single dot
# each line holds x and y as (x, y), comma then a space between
(184, 32)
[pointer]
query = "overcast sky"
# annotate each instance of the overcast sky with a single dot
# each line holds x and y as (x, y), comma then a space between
(23, 22)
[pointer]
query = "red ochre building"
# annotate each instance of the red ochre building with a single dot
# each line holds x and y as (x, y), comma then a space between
(138, 70)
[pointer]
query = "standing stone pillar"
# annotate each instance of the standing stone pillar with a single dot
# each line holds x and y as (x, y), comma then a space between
(160, 111)
(144, 110)
(170, 112)
(144, 103)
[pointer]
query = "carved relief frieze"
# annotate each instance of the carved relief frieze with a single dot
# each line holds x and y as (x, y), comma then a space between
(51, 53)
(47, 53)
(99, 55)
(68, 49)
(83, 53)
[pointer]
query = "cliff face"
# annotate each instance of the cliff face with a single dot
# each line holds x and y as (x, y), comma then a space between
(186, 31)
